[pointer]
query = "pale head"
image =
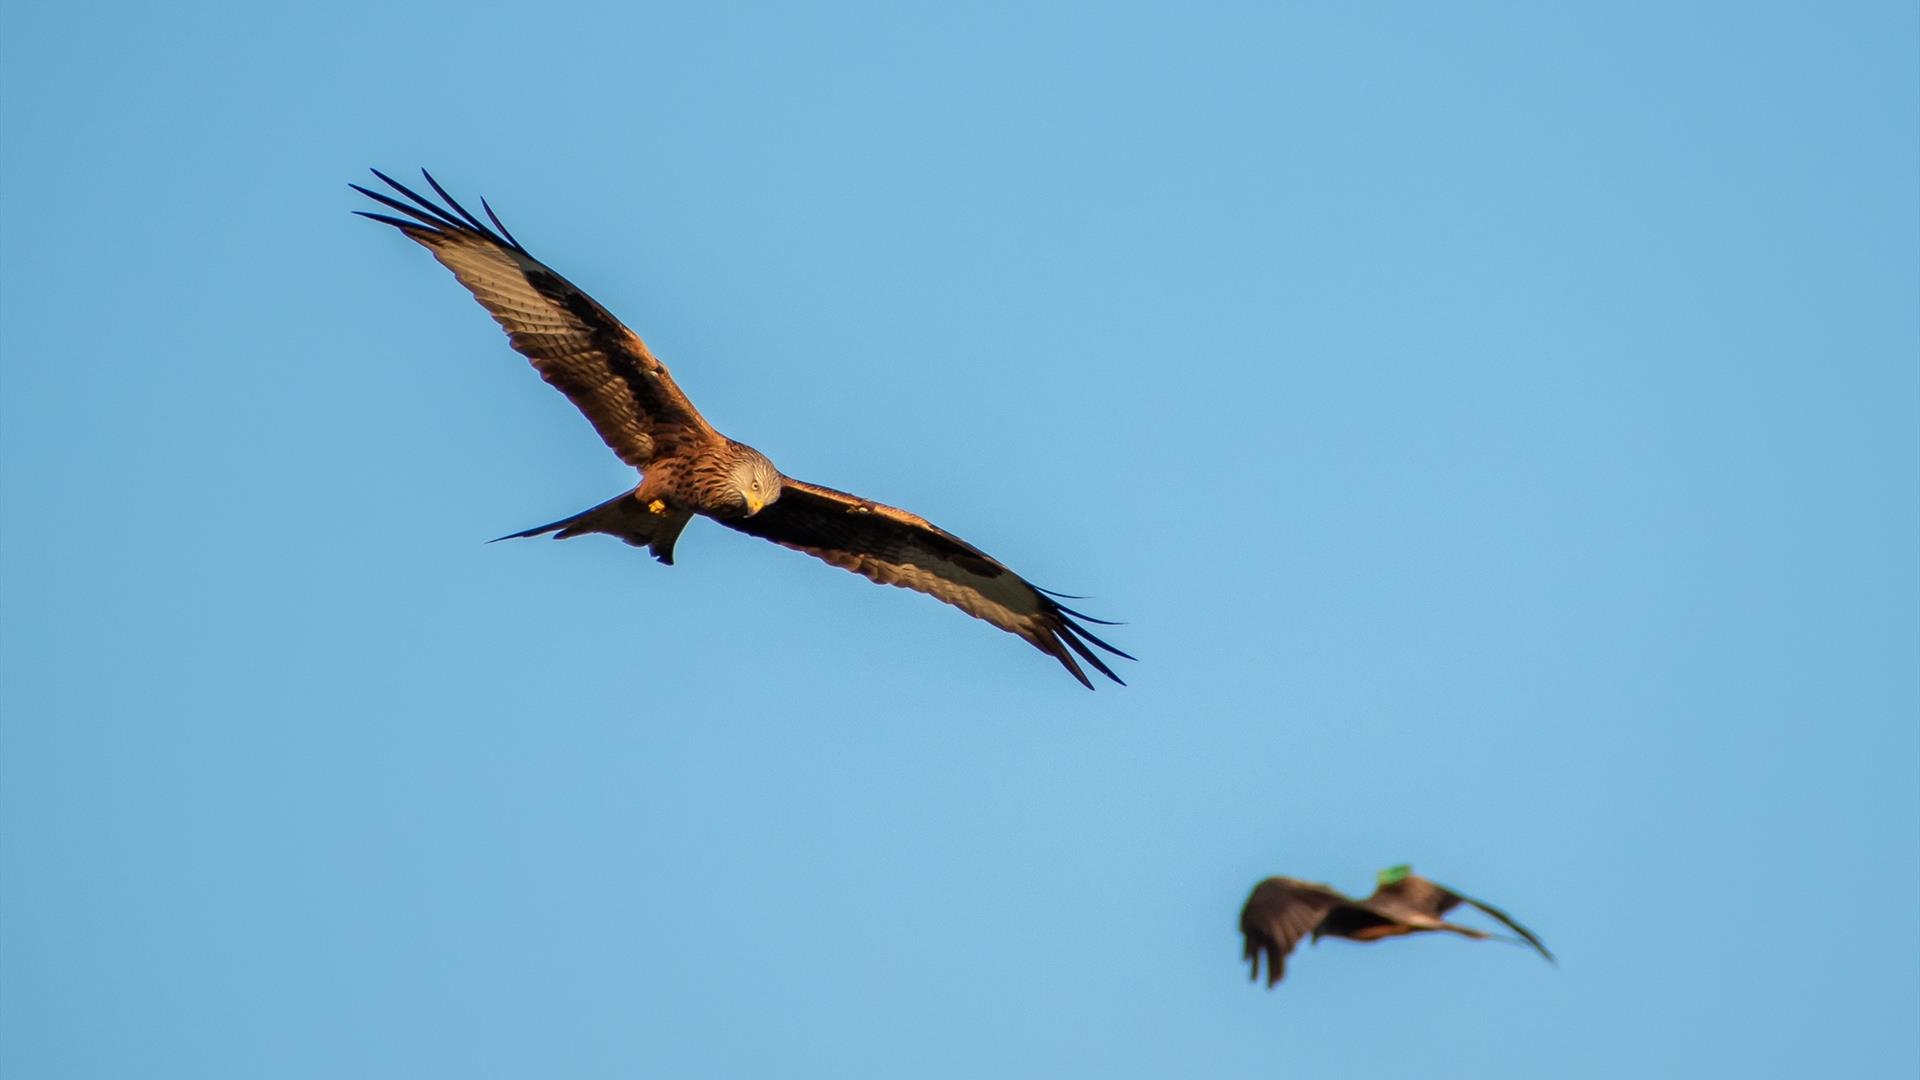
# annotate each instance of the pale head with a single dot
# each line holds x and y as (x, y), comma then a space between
(752, 481)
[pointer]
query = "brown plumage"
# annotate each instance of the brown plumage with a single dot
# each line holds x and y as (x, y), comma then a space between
(1283, 910)
(688, 469)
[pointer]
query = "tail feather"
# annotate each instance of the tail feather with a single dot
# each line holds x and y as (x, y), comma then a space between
(622, 516)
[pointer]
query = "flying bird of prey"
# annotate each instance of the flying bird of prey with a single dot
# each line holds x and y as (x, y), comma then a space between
(688, 468)
(1283, 910)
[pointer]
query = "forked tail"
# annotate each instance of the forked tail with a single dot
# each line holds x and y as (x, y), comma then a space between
(654, 526)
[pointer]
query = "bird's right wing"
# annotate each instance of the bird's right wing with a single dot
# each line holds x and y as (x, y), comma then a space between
(1277, 915)
(1420, 902)
(587, 354)
(891, 546)
(1507, 921)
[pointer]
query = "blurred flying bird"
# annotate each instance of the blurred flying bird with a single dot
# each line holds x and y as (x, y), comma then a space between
(1282, 910)
(690, 469)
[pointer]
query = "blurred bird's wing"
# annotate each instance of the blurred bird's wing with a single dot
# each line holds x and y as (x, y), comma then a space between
(1504, 919)
(1277, 915)
(1420, 902)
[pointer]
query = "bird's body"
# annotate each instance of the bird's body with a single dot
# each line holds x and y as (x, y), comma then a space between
(724, 480)
(1282, 910)
(689, 469)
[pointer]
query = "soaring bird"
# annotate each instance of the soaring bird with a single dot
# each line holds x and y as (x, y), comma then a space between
(688, 468)
(1283, 910)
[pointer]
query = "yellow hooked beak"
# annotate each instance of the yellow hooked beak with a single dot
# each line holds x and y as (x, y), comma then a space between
(754, 503)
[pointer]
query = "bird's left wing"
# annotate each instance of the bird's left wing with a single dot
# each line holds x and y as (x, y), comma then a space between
(893, 547)
(1278, 913)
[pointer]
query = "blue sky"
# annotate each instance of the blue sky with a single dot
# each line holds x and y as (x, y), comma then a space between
(1495, 425)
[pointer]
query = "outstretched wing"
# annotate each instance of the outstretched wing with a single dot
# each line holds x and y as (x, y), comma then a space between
(1277, 915)
(603, 367)
(1505, 920)
(1420, 902)
(893, 547)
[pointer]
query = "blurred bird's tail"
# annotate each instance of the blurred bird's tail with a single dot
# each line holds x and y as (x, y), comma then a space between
(653, 525)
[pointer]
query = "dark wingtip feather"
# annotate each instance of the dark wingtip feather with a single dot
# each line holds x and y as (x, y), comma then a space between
(475, 222)
(452, 202)
(1090, 636)
(440, 215)
(1087, 617)
(1067, 661)
(1064, 638)
(1089, 656)
(426, 220)
(450, 218)
(389, 219)
(1121, 653)
(495, 218)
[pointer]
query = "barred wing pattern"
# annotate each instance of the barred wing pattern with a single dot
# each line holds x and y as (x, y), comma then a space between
(576, 345)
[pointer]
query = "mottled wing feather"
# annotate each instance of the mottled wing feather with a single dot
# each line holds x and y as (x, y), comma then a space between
(893, 547)
(576, 345)
(1278, 913)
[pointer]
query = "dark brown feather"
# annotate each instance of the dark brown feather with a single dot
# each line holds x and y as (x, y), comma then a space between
(1422, 903)
(894, 547)
(1508, 921)
(1279, 912)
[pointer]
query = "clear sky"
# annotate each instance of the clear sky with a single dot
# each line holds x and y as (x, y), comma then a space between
(1497, 424)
